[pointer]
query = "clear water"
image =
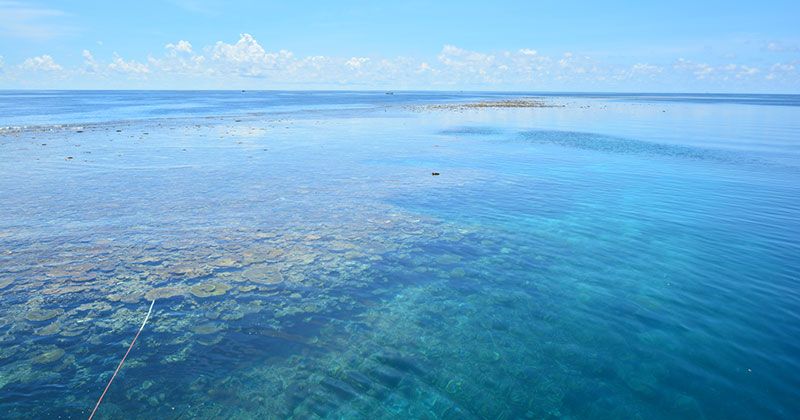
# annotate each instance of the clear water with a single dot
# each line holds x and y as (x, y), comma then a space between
(622, 256)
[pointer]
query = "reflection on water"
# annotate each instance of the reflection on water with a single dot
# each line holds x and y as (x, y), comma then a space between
(564, 263)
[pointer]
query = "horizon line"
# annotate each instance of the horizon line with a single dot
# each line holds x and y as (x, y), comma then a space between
(542, 92)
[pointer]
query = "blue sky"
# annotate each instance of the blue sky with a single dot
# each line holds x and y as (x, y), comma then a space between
(676, 46)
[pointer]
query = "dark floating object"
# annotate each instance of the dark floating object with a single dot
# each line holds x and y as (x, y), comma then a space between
(119, 131)
(69, 158)
(435, 173)
(390, 93)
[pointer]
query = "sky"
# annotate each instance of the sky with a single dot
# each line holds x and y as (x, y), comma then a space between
(567, 46)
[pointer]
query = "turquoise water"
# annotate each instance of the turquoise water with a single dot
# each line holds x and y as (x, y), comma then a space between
(616, 256)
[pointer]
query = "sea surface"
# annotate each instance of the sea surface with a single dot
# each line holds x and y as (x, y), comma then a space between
(608, 256)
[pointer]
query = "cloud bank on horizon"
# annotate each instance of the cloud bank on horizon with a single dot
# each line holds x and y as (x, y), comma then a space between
(761, 66)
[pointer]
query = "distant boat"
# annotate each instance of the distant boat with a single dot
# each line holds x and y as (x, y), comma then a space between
(390, 93)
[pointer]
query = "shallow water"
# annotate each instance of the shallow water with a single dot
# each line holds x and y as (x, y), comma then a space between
(620, 256)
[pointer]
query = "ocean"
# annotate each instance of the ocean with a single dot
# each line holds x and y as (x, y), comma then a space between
(609, 255)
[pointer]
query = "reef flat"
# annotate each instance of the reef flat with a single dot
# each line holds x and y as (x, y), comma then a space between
(574, 257)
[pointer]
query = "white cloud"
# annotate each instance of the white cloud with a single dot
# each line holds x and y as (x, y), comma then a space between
(723, 72)
(184, 65)
(23, 20)
(89, 63)
(245, 50)
(357, 62)
(639, 71)
(745, 71)
(464, 66)
(457, 57)
(781, 47)
(248, 58)
(644, 68)
(128, 67)
(180, 47)
(699, 70)
(236, 64)
(783, 67)
(780, 71)
(41, 63)
(524, 67)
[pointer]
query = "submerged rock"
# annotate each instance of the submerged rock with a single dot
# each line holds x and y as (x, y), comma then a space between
(164, 293)
(49, 356)
(50, 329)
(207, 328)
(226, 263)
(264, 274)
(39, 314)
(341, 246)
(149, 260)
(94, 306)
(189, 272)
(210, 341)
(207, 289)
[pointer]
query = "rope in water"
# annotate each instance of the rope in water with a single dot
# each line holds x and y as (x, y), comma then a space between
(121, 362)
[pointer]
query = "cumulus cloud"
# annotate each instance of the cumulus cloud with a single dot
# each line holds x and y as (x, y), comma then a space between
(247, 62)
(180, 58)
(638, 71)
(465, 66)
(423, 68)
(247, 57)
(453, 56)
(89, 63)
(356, 62)
(245, 50)
(699, 70)
(173, 64)
(520, 67)
(745, 71)
(128, 67)
(644, 68)
(724, 72)
(781, 47)
(780, 71)
(41, 63)
(179, 47)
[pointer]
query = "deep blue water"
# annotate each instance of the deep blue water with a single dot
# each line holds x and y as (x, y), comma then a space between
(616, 256)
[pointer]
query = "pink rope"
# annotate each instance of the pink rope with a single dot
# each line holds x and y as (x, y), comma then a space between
(122, 362)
